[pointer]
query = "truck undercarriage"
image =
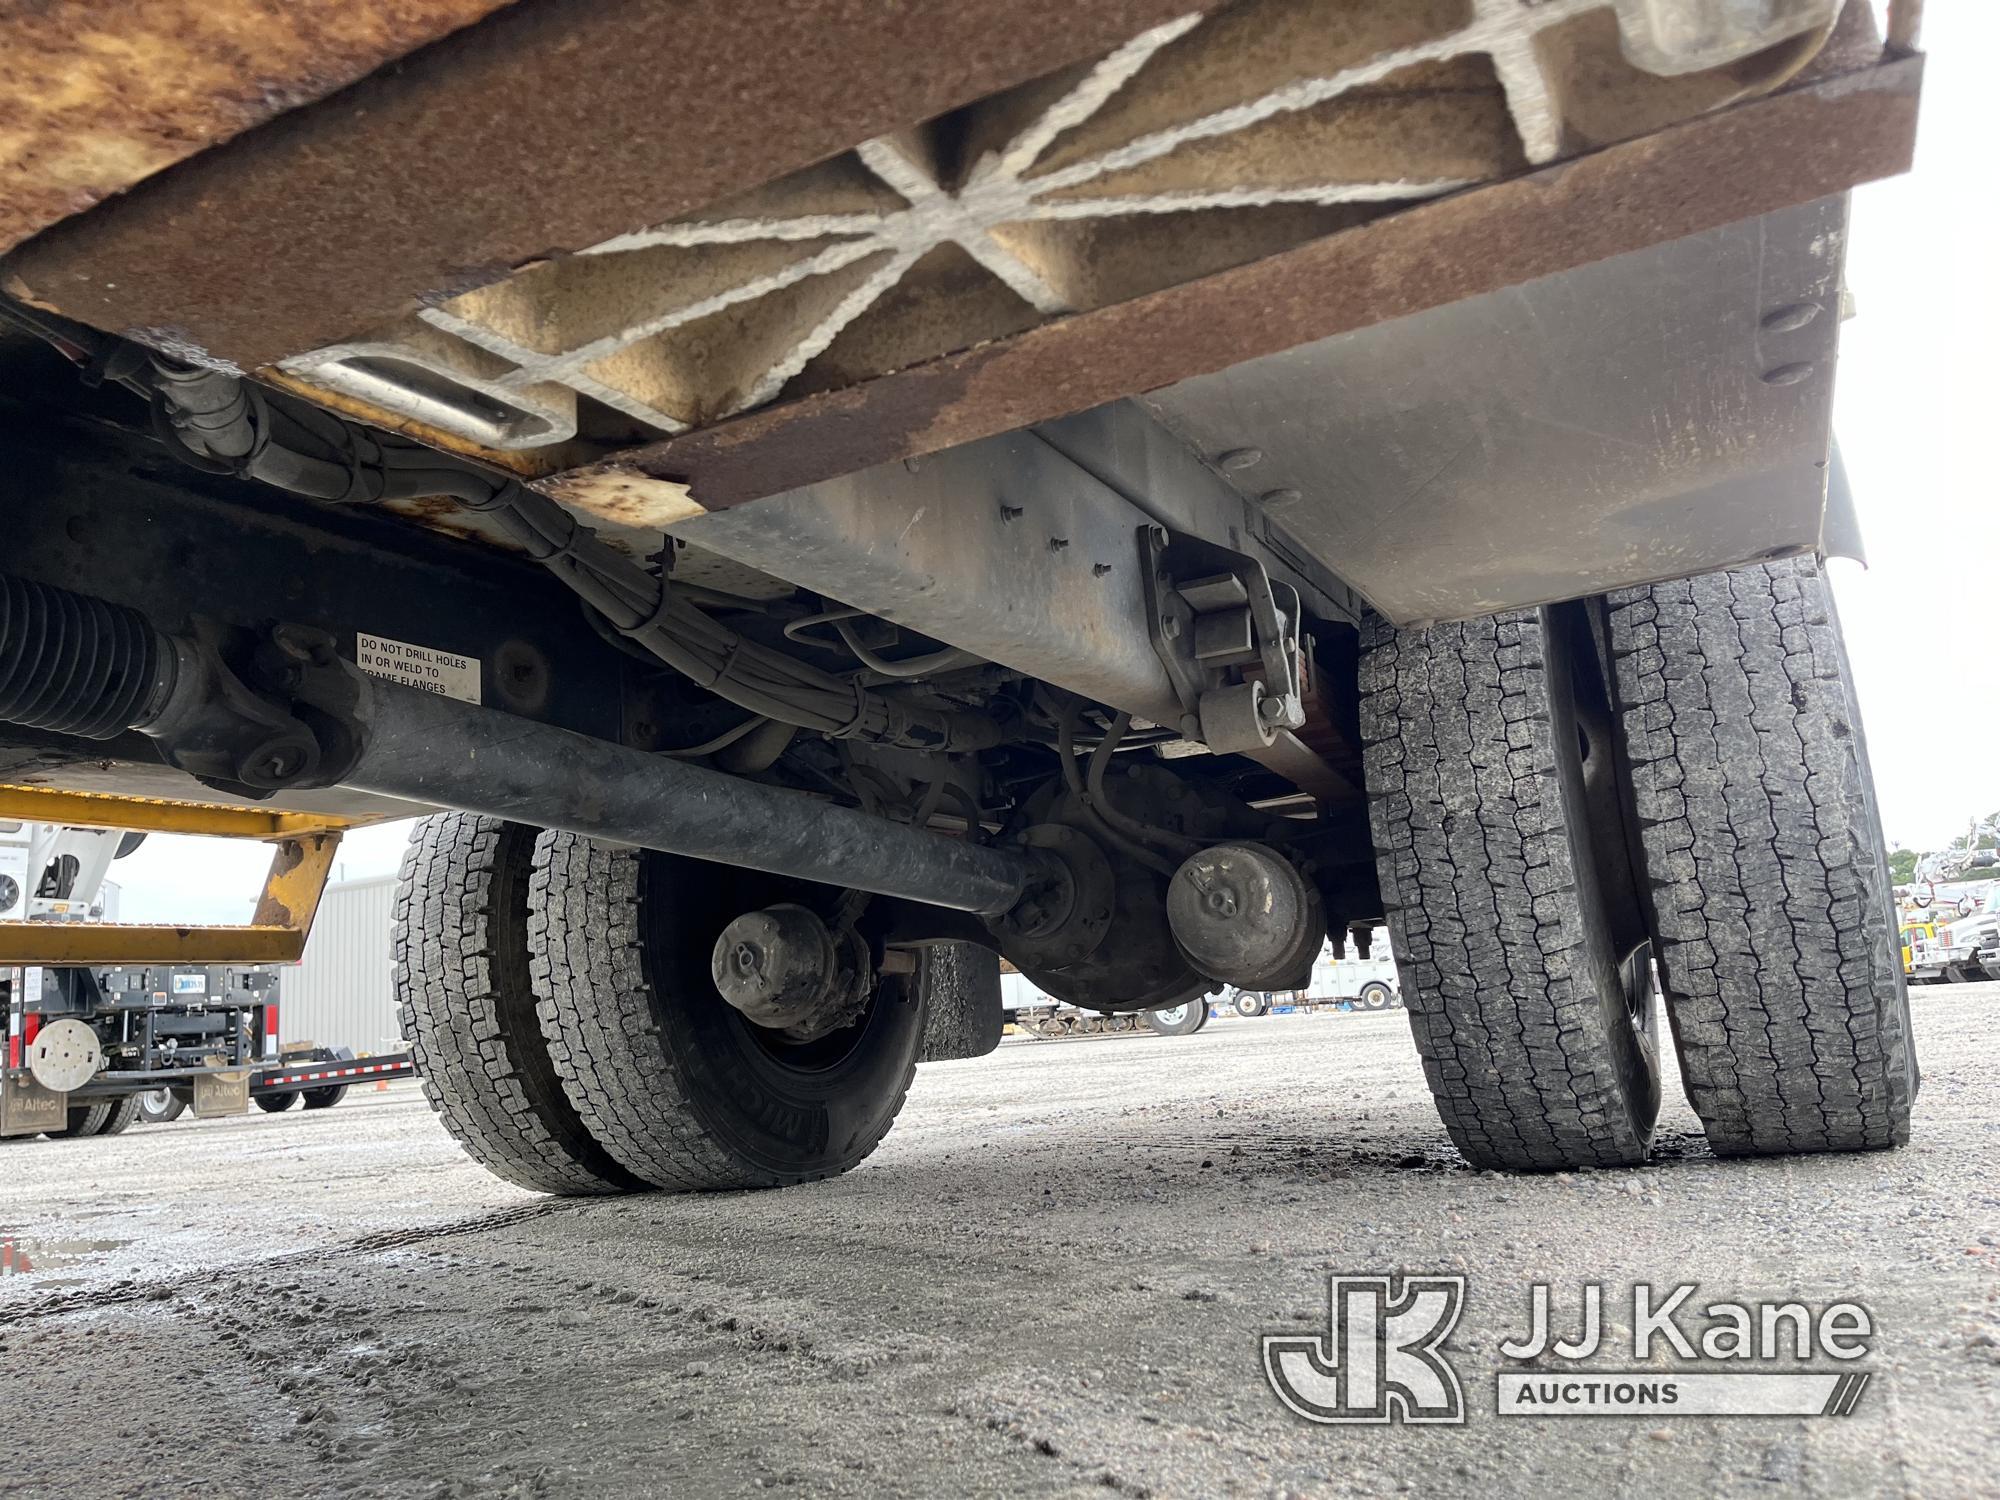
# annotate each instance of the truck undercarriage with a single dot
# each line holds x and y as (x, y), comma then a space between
(1136, 506)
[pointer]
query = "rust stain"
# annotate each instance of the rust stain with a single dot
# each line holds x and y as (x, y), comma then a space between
(623, 495)
(273, 905)
(547, 127)
(97, 97)
(1773, 153)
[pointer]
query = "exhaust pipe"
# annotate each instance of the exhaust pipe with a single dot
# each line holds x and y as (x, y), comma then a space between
(82, 666)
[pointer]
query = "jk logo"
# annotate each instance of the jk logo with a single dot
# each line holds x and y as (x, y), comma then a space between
(1379, 1360)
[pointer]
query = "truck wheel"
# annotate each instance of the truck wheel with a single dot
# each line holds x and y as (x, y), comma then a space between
(1180, 1020)
(462, 989)
(324, 1098)
(1500, 846)
(1249, 1004)
(1770, 896)
(124, 1110)
(275, 1104)
(1375, 995)
(158, 1106)
(84, 1120)
(682, 1088)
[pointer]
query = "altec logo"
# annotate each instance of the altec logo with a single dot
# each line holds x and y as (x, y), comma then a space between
(1381, 1363)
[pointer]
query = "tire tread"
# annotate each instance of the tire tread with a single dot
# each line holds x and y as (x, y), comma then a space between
(598, 1012)
(1768, 884)
(1478, 877)
(462, 1000)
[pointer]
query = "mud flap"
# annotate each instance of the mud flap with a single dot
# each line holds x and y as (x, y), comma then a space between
(27, 1108)
(963, 1016)
(218, 1094)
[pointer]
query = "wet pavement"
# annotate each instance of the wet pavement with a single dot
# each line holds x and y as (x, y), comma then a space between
(1051, 1280)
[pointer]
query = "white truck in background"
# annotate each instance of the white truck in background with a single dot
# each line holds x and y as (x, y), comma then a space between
(92, 1048)
(1952, 934)
(1341, 979)
(50, 873)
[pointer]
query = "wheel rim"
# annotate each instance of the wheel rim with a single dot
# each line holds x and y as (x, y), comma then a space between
(723, 895)
(779, 1091)
(1172, 1015)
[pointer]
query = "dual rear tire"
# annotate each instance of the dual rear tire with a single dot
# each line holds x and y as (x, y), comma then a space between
(1564, 799)
(679, 1086)
(99, 1117)
(557, 996)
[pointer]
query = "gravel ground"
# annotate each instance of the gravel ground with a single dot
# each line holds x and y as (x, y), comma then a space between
(1050, 1281)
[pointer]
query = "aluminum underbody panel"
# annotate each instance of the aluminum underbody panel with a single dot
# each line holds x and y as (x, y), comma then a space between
(1655, 415)
(1003, 548)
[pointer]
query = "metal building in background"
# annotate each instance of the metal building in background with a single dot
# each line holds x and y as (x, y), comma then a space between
(339, 994)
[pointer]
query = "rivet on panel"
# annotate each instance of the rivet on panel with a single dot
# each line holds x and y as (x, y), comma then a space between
(1241, 458)
(1277, 499)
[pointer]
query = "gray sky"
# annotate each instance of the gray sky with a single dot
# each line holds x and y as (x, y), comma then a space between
(1917, 387)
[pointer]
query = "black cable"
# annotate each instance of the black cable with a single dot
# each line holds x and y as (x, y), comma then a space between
(217, 418)
(1073, 778)
(1171, 844)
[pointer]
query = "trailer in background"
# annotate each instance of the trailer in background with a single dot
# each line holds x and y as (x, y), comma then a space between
(92, 1047)
(92, 1050)
(1342, 979)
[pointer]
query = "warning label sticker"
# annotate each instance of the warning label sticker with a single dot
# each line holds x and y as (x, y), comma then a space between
(425, 668)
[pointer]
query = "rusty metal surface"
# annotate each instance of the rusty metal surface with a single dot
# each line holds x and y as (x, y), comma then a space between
(130, 766)
(547, 127)
(96, 943)
(1290, 757)
(1203, 143)
(97, 97)
(295, 882)
(1778, 152)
